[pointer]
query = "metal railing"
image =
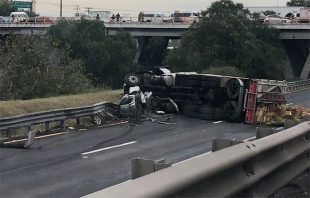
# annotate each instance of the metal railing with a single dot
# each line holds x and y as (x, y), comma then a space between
(28, 120)
(298, 85)
(182, 20)
(249, 169)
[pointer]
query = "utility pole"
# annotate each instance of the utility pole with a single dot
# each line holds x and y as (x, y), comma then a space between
(88, 9)
(77, 8)
(33, 6)
(60, 8)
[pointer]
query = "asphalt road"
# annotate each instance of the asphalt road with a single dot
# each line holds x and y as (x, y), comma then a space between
(301, 98)
(56, 167)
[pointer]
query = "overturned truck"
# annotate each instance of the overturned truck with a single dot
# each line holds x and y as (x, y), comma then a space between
(206, 96)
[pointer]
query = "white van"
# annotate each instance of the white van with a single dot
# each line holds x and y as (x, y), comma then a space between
(19, 17)
(151, 17)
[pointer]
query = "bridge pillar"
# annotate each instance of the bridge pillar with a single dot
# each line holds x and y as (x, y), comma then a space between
(305, 73)
(298, 51)
(142, 41)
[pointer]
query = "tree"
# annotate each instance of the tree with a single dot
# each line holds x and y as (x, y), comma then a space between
(106, 58)
(225, 36)
(31, 67)
(155, 52)
(6, 7)
(31, 14)
(305, 3)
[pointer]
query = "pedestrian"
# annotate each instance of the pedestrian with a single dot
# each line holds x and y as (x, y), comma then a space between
(113, 17)
(97, 17)
(117, 17)
(138, 103)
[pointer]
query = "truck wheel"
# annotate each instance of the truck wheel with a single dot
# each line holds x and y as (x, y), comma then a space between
(194, 82)
(206, 110)
(210, 84)
(170, 107)
(231, 112)
(97, 119)
(203, 116)
(233, 88)
(192, 114)
(132, 80)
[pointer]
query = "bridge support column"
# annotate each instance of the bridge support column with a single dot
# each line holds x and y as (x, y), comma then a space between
(305, 73)
(298, 51)
(142, 41)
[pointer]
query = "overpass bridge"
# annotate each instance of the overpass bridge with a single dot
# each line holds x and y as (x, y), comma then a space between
(295, 37)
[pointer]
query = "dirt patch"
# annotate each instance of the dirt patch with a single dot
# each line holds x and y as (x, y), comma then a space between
(10, 108)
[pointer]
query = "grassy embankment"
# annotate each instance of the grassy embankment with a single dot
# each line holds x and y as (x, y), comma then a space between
(11, 108)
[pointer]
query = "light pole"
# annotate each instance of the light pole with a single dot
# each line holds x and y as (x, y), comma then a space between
(60, 8)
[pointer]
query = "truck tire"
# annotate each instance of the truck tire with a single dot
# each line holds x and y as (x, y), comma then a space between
(132, 80)
(203, 116)
(194, 82)
(192, 109)
(194, 77)
(231, 112)
(192, 114)
(206, 110)
(233, 88)
(170, 107)
(212, 78)
(210, 84)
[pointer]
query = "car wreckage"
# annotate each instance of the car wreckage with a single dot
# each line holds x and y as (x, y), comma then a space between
(203, 96)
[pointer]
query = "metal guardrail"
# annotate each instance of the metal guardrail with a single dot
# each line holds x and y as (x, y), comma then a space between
(28, 120)
(298, 85)
(250, 169)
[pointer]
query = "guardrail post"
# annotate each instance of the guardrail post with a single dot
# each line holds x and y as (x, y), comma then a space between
(78, 122)
(218, 144)
(47, 126)
(307, 117)
(263, 132)
(290, 123)
(141, 166)
(9, 133)
(62, 124)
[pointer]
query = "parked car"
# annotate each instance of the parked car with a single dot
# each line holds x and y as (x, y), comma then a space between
(276, 19)
(44, 20)
(3, 19)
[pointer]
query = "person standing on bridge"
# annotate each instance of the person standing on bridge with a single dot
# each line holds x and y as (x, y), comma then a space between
(138, 103)
(97, 17)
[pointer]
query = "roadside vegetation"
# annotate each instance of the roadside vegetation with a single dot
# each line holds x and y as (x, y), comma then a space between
(75, 57)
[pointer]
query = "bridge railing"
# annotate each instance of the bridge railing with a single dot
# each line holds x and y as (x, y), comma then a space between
(159, 20)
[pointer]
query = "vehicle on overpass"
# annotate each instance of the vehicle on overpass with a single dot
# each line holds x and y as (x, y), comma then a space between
(19, 17)
(105, 16)
(185, 16)
(276, 19)
(4, 19)
(303, 16)
(207, 96)
(152, 17)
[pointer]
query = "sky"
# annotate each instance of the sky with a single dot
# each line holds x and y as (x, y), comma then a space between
(51, 8)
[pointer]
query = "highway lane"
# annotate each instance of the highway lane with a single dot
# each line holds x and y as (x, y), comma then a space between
(301, 98)
(55, 166)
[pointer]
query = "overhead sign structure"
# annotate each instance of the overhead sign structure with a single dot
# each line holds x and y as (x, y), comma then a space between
(22, 4)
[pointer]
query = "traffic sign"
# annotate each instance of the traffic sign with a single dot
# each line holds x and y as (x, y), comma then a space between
(22, 4)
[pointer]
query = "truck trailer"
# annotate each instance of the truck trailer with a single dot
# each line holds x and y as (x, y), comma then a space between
(207, 96)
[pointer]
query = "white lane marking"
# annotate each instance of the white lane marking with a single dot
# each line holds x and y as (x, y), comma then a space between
(217, 122)
(226, 133)
(107, 148)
